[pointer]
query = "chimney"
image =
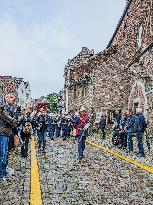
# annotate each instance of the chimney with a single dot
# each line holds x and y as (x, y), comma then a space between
(127, 1)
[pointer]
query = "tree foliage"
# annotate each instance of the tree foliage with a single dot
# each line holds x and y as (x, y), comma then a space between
(52, 102)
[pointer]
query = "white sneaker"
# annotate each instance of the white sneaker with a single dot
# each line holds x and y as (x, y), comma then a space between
(4, 179)
(9, 171)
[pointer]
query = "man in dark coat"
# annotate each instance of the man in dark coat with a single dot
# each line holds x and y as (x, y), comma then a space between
(102, 125)
(58, 126)
(7, 123)
(140, 127)
(9, 106)
(52, 123)
(42, 126)
(130, 129)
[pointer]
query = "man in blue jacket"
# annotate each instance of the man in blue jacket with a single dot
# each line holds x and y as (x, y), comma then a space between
(130, 128)
(140, 127)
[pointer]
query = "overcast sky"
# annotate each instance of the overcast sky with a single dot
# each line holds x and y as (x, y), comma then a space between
(38, 36)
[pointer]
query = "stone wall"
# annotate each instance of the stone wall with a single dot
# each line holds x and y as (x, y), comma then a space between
(110, 86)
(138, 13)
(10, 84)
(121, 74)
(80, 98)
(142, 75)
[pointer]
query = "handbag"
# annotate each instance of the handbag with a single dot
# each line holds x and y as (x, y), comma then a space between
(16, 140)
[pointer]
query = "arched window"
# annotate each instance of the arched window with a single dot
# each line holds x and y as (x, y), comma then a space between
(75, 93)
(85, 91)
(139, 36)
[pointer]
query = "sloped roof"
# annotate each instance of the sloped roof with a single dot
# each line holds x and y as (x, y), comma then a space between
(120, 22)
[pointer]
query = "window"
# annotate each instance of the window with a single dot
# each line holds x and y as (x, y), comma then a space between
(139, 36)
(84, 91)
(1, 88)
(27, 95)
(75, 93)
(136, 105)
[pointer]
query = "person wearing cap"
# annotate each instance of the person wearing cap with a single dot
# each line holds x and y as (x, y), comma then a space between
(82, 124)
(140, 127)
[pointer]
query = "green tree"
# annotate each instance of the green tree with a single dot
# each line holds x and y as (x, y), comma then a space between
(52, 102)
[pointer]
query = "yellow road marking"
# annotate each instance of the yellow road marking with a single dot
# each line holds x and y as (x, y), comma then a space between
(35, 195)
(149, 169)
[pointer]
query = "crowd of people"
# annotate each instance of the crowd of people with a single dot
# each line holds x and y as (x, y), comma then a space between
(17, 126)
(125, 127)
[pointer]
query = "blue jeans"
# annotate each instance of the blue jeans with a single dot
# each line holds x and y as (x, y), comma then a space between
(51, 132)
(130, 141)
(81, 145)
(58, 130)
(42, 139)
(4, 140)
(64, 133)
(140, 143)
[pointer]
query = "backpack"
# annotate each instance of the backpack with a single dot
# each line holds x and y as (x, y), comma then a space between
(27, 129)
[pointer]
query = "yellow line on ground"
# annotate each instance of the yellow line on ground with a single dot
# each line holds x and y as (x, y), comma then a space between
(35, 195)
(149, 169)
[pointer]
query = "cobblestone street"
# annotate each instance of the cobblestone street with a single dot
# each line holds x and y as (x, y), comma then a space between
(98, 179)
(76, 102)
(16, 189)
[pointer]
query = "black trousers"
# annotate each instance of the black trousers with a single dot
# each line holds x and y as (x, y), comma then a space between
(102, 132)
(25, 146)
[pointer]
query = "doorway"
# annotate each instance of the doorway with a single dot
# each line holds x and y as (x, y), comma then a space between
(135, 106)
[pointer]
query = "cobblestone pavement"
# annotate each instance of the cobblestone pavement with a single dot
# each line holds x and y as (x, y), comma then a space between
(15, 191)
(99, 179)
(148, 160)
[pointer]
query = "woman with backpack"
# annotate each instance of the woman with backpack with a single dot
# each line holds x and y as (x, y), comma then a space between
(26, 133)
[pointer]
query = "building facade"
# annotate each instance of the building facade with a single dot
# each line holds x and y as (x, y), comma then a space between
(120, 77)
